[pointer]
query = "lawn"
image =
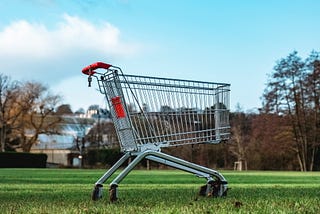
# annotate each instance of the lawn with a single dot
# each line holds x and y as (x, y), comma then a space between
(167, 191)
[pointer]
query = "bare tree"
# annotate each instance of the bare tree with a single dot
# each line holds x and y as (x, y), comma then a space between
(32, 108)
(290, 93)
(8, 92)
(312, 85)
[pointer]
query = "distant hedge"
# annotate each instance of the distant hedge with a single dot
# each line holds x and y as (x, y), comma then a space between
(22, 160)
(105, 156)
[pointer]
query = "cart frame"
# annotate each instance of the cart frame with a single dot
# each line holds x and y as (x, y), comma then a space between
(143, 132)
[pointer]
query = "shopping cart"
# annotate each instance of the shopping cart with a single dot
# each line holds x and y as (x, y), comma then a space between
(150, 113)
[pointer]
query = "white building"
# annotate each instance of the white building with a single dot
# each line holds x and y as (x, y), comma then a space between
(64, 148)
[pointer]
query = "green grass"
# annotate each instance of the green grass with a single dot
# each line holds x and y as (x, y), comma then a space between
(169, 191)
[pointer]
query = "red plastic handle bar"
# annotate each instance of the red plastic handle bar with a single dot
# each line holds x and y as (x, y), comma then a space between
(89, 70)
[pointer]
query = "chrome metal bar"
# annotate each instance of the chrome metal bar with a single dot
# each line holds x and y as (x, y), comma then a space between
(178, 166)
(171, 159)
(113, 169)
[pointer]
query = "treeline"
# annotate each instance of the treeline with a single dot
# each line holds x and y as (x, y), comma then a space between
(261, 141)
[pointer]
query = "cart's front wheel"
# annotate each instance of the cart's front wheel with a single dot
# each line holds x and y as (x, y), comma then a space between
(97, 192)
(113, 193)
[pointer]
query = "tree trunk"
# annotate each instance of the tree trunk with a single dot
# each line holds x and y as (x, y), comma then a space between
(300, 162)
(28, 143)
(312, 159)
(3, 138)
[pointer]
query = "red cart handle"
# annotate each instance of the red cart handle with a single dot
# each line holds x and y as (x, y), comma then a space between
(89, 70)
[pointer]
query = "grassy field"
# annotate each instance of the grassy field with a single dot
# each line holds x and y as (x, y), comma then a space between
(169, 191)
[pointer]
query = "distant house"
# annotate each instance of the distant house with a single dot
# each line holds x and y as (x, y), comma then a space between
(63, 148)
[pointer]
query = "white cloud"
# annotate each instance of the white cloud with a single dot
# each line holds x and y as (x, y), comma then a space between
(36, 51)
(25, 39)
(22, 39)
(80, 34)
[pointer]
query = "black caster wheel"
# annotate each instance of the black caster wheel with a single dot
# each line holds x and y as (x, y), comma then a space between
(113, 193)
(97, 192)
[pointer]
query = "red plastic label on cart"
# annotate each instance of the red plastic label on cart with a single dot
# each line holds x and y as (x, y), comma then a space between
(118, 107)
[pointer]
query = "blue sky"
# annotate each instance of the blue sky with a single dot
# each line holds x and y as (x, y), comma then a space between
(236, 42)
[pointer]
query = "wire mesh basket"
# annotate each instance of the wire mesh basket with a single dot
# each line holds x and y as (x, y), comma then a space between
(165, 112)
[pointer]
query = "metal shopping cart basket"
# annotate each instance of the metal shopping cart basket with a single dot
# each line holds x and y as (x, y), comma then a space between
(150, 113)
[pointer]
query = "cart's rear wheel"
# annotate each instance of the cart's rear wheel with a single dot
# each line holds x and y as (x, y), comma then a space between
(203, 191)
(97, 192)
(214, 189)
